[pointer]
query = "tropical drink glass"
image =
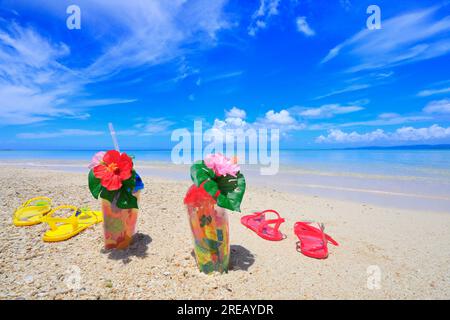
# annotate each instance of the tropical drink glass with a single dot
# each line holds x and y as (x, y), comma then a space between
(113, 179)
(210, 231)
(218, 186)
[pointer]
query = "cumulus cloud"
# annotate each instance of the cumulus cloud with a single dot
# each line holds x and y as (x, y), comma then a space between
(236, 113)
(434, 132)
(338, 136)
(279, 118)
(234, 119)
(303, 27)
(439, 107)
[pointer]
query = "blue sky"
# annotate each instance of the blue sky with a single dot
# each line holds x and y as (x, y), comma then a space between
(310, 68)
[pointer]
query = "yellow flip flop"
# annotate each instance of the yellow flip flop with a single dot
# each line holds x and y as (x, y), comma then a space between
(64, 228)
(32, 211)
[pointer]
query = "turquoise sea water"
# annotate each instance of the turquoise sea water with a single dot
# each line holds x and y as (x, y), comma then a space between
(418, 179)
(415, 163)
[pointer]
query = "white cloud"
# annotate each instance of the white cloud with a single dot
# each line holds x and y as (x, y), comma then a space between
(406, 38)
(154, 126)
(36, 82)
(282, 120)
(234, 119)
(226, 75)
(60, 133)
(279, 118)
(33, 84)
(236, 113)
(420, 134)
(338, 136)
(434, 132)
(102, 102)
(350, 88)
(430, 92)
(261, 17)
(303, 27)
(329, 111)
(345, 4)
(387, 119)
(154, 30)
(439, 107)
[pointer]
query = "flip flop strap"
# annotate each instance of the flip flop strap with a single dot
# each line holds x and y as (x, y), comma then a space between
(307, 226)
(272, 211)
(53, 221)
(26, 203)
(265, 223)
(262, 213)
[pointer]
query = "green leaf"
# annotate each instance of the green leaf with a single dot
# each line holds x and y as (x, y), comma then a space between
(95, 185)
(200, 173)
(126, 199)
(231, 188)
(232, 191)
(108, 195)
(130, 183)
(211, 187)
(226, 183)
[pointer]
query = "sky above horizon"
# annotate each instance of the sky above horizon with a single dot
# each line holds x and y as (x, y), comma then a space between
(309, 68)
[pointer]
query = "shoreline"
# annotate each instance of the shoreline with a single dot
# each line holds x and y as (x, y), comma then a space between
(410, 248)
(401, 192)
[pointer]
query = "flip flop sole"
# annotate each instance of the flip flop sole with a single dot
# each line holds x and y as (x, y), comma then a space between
(247, 222)
(33, 216)
(66, 231)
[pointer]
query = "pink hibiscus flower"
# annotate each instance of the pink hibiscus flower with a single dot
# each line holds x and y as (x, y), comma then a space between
(221, 165)
(96, 159)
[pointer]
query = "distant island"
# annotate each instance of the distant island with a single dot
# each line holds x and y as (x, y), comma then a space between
(412, 147)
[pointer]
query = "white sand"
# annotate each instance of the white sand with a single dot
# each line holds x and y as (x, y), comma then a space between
(410, 248)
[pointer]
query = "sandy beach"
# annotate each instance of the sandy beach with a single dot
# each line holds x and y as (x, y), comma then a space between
(411, 249)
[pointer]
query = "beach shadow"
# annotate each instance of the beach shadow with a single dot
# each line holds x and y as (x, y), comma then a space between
(241, 258)
(138, 248)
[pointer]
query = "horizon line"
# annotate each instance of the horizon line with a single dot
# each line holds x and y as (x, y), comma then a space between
(416, 146)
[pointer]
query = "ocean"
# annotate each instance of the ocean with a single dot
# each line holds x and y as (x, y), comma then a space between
(418, 179)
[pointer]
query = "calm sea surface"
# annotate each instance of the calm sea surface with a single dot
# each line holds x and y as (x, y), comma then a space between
(418, 179)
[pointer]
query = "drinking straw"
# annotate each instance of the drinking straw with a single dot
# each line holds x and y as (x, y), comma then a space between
(113, 136)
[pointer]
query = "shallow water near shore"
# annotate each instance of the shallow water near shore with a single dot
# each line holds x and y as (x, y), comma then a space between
(408, 179)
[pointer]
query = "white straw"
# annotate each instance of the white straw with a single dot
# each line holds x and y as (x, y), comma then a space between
(113, 136)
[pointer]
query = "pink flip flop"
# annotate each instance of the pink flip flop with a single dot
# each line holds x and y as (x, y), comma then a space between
(313, 241)
(257, 222)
